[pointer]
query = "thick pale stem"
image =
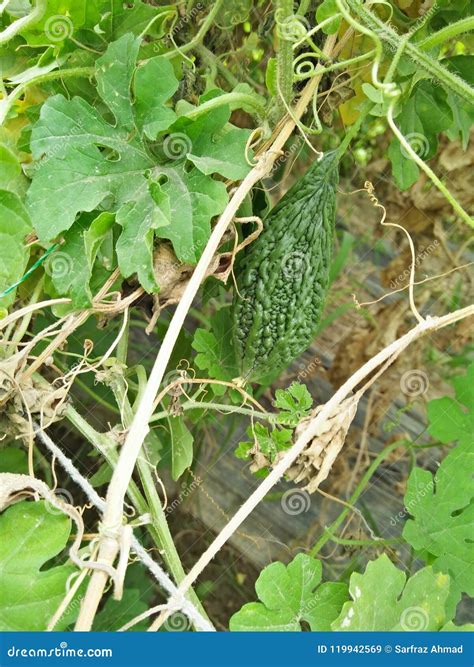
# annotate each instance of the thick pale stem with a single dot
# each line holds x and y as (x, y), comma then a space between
(139, 428)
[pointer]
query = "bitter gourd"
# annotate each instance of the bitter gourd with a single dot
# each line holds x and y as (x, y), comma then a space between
(283, 275)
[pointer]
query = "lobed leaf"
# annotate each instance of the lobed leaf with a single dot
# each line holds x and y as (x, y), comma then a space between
(385, 600)
(289, 595)
(30, 536)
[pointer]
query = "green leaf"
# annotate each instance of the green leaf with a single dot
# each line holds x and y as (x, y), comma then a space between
(71, 266)
(450, 419)
(374, 94)
(181, 446)
(30, 593)
(442, 513)
(13, 460)
(341, 259)
(214, 146)
(463, 112)
(242, 451)
(405, 171)
(294, 404)
(155, 83)
(11, 174)
(462, 65)
(420, 127)
(384, 600)
(325, 10)
(85, 162)
(15, 224)
(74, 175)
(114, 72)
(215, 350)
(139, 220)
(194, 199)
(206, 345)
(232, 14)
(271, 77)
(291, 594)
(269, 443)
(116, 613)
(57, 24)
(102, 475)
(125, 17)
(450, 627)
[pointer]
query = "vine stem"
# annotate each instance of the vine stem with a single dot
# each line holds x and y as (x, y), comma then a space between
(354, 128)
(447, 33)
(303, 7)
(22, 23)
(380, 32)
(329, 531)
(112, 518)
(372, 369)
(424, 167)
(210, 57)
(219, 407)
(283, 21)
(7, 103)
(184, 48)
(234, 100)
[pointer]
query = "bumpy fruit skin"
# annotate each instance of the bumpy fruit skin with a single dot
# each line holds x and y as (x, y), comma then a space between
(283, 276)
